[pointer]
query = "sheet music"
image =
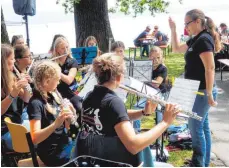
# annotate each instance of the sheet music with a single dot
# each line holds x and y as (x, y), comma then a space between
(142, 70)
(184, 92)
(140, 86)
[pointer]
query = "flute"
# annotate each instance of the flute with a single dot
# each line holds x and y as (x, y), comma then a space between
(30, 66)
(52, 59)
(156, 99)
(27, 87)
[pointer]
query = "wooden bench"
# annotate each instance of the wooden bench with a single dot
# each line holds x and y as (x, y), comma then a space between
(225, 63)
(163, 48)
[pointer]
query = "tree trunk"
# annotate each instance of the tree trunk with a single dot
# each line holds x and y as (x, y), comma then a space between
(91, 19)
(4, 34)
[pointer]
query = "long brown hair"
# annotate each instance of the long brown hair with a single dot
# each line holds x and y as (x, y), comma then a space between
(6, 75)
(206, 23)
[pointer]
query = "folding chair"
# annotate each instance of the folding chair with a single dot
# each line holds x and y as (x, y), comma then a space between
(22, 143)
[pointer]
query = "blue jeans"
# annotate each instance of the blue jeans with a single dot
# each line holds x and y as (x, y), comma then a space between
(145, 49)
(7, 137)
(200, 131)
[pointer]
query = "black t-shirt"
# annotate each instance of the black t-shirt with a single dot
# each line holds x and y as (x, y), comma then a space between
(194, 68)
(14, 112)
(63, 87)
(161, 71)
(53, 145)
(102, 110)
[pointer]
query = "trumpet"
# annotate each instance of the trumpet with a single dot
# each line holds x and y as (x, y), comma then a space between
(27, 87)
(157, 100)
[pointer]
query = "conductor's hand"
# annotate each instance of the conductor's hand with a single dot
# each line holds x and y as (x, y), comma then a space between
(61, 118)
(171, 110)
(150, 107)
(172, 24)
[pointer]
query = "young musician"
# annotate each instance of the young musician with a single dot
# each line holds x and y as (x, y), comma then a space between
(17, 40)
(159, 73)
(13, 94)
(68, 66)
(53, 42)
(23, 58)
(47, 116)
(105, 116)
(92, 42)
(118, 48)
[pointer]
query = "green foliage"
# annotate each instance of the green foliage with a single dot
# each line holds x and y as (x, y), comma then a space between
(68, 4)
(134, 7)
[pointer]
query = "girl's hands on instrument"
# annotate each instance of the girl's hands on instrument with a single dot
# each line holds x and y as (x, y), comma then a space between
(18, 85)
(171, 110)
(150, 107)
(61, 118)
(27, 76)
(172, 24)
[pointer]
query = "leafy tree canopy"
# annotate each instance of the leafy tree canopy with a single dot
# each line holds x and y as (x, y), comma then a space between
(134, 7)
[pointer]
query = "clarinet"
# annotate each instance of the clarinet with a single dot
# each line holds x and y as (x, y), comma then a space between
(73, 121)
(27, 87)
(156, 99)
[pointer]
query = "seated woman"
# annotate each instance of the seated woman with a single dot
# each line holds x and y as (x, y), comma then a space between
(68, 66)
(23, 58)
(13, 95)
(48, 119)
(118, 48)
(53, 41)
(92, 42)
(106, 128)
(159, 73)
(17, 40)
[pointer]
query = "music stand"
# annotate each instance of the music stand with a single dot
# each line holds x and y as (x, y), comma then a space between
(84, 55)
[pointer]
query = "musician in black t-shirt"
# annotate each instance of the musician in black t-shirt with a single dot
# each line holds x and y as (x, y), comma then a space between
(13, 95)
(48, 120)
(199, 59)
(104, 115)
(159, 73)
(68, 66)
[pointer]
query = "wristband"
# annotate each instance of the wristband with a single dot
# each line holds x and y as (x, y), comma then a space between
(143, 113)
(11, 97)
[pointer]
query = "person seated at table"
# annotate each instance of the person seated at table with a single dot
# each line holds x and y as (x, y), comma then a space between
(159, 73)
(162, 39)
(17, 40)
(105, 118)
(139, 42)
(118, 48)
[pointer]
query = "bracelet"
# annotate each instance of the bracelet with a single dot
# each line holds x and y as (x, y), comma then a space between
(11, 97)
(143, 113)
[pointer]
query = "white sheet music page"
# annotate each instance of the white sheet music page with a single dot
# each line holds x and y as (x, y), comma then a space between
(142, 70)
(184, 93)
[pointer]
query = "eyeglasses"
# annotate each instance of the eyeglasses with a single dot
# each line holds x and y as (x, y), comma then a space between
(29, 56)
(186, 24)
